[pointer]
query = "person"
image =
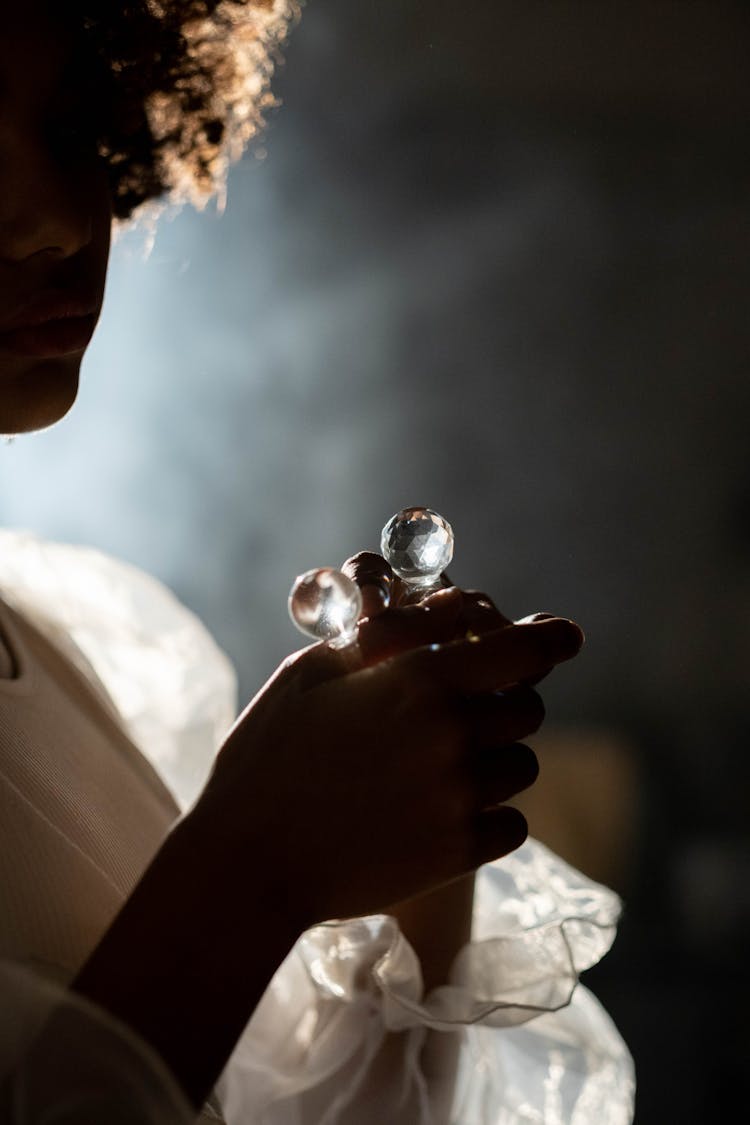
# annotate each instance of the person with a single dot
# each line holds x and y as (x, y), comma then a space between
(251, 955)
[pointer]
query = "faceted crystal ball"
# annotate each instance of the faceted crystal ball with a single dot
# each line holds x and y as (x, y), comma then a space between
(325, 604)
(418, 543)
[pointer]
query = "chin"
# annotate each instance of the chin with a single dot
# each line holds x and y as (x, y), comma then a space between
(38, 396)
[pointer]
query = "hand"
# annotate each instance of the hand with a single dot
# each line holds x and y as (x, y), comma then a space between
(371, 782)
(355, 779)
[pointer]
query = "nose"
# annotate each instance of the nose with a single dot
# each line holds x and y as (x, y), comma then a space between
(45, 205)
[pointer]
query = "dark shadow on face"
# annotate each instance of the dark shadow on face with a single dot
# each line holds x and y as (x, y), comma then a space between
(55, 211)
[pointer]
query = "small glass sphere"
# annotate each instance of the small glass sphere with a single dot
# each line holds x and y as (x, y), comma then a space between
(418, 543)
(325, 604)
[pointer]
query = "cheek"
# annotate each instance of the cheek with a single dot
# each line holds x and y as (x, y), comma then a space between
(36, 393)
(101, 211)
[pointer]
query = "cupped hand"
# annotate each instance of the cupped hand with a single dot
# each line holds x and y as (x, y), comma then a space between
(363, 777)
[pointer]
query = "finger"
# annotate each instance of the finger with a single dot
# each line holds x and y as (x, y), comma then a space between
(524, 621)
(495, 833)
(499, 660)
(453, 614)
(397, 630)
(504, 717)
(481, 615)
(374, 577)
(501, 773)
(387, 634)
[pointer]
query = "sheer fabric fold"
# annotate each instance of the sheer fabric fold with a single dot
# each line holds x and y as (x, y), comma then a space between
(532, 1044)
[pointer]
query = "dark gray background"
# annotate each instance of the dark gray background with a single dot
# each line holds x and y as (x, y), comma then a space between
(494, 261)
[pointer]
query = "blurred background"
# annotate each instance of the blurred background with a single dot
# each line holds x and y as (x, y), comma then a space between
(494, 259)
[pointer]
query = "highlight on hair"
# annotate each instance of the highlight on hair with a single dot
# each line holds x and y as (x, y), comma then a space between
(178, 87)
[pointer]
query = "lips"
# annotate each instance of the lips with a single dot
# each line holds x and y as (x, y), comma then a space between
(54, 322)
(61, 336)
(52, 304)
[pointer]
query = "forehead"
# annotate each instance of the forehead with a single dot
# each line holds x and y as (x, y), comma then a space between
(36, 52)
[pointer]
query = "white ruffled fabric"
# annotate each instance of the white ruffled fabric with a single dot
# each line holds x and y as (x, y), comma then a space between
(170, 683)
(534, 1045)
(340, 1035)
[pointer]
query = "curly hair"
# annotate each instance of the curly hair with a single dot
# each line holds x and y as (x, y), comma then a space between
(177, 88)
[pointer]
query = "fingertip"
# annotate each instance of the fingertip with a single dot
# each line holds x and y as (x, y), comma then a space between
(576, 637)
(500, 831)
(516, 824)
(569, 633)
(526, 765)
(564, 637)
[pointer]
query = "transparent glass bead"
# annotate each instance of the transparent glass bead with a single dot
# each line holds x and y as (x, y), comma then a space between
(418, 543)
(325, 604)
